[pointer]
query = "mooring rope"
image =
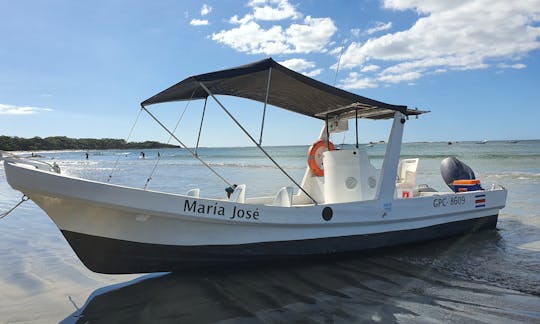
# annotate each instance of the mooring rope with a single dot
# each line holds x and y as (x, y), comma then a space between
(23, 199)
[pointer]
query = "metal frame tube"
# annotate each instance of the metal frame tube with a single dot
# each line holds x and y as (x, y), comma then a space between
(127, 139)
(265, 103)
(200, 127)
(255, 142)
(184, 146)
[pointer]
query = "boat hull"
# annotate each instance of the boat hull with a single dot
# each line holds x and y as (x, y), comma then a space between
(112, 256)
(118, 229)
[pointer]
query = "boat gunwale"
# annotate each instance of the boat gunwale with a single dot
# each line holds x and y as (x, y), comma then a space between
(367, 204)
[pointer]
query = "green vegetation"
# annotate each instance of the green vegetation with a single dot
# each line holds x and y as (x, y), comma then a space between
(8, 143)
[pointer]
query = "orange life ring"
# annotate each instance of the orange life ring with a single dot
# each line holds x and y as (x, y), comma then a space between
(315, 153)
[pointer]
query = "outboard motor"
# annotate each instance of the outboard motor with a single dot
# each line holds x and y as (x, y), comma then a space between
(453, 169)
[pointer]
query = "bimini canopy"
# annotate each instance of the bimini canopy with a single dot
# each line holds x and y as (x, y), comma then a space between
(287, 89)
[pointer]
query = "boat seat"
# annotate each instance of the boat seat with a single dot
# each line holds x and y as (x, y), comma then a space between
(422, 188)
(239, 194)
(406, 180)
(193, 192)
(284, 197)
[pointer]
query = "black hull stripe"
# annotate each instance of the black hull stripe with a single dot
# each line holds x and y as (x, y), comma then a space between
(114, 256)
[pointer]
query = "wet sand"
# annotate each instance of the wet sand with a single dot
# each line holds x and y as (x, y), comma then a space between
(339, 289)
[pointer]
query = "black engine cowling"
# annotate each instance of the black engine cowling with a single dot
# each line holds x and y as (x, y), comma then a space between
(453, 169)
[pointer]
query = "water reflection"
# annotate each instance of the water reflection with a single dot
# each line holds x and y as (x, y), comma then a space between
(404, 284)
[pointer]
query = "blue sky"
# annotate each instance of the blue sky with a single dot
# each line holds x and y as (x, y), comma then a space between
(80, 69)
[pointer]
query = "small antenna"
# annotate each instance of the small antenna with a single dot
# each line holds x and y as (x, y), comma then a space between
(339, 60)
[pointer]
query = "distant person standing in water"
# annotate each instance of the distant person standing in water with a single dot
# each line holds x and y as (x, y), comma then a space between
(86, 155)
(142, 155)
(158, 155)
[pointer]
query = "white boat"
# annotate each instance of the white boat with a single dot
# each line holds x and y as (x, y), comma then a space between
(342, 204)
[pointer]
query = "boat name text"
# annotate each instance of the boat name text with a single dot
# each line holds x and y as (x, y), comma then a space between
(215, 209)
(452, 201)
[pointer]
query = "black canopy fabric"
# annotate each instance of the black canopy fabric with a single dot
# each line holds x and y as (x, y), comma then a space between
(288, 90)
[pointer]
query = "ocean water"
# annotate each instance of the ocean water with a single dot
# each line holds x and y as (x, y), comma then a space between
(487, 277)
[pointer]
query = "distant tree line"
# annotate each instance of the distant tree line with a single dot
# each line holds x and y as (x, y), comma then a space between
(9, 143)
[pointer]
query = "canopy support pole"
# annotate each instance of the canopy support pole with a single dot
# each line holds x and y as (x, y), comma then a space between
(265, 102)
(327, 133)
(255, 142)
(387, 183)
(168, 141)
(356, 121)
(200, 127)
(184, 145)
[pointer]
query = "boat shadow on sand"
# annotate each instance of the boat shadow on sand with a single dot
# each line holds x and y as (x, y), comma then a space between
(385, 285)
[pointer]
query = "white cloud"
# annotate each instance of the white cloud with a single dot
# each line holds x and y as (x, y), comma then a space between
(355, 81)
(313, 73)
(370, 68)
(240, 21)
(353, 56)
(301, 65)
(312, 36)
(449, 35)
(517, 66)
(395, 78)
(20, 110)
(379, 26)
(273, 10)
(358, 81)
(198, 22)
(298, 64)
(249, 37)
(355, 32)
(423, 6)
(336, 51)
(206, 9)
